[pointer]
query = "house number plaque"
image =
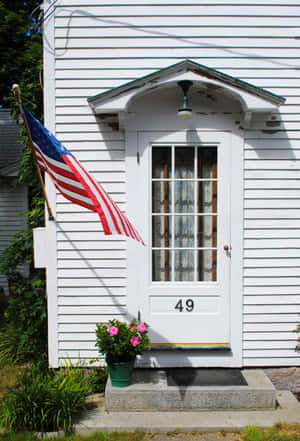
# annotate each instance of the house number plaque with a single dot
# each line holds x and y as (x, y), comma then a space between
(184, 305)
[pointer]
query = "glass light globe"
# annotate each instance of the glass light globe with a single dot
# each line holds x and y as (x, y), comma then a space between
(184, 113)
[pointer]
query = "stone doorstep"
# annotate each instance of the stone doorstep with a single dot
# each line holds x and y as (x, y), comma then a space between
(287, 411)
(154, 395)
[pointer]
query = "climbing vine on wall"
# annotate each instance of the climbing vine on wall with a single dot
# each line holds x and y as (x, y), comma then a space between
(23, 334)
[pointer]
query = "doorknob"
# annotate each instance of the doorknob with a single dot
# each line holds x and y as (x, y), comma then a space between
(227, 249)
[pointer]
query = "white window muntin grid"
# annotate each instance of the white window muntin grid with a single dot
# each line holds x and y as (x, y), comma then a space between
(173, 214)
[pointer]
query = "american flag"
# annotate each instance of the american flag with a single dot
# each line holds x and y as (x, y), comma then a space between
(74, 182)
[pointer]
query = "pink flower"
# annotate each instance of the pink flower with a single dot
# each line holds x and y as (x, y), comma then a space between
(113, 330)
(133, 327)
(134, 341)
(142, 327)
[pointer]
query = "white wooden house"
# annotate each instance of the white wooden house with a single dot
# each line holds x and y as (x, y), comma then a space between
(13, 198)
(216, 196)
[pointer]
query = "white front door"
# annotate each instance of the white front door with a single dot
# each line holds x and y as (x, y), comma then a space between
(179, 186)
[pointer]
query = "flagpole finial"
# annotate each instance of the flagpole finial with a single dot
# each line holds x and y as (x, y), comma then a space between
(16, 89)
(17, 93)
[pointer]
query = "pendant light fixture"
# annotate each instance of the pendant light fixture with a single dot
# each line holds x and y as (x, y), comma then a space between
(185, 111)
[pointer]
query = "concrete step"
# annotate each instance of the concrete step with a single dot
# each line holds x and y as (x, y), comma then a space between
(156, 390)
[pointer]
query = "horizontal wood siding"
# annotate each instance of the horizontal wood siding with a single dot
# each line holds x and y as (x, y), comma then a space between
(13, 201)
(100, 45)
(271, 248)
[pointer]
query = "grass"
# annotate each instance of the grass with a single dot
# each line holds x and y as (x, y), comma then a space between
(95, 436)
(8, 376)
(279, 432)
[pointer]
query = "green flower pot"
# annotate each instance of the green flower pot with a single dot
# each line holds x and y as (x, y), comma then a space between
(120, 372)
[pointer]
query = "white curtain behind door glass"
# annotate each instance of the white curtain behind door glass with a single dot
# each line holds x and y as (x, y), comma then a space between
(187, 266)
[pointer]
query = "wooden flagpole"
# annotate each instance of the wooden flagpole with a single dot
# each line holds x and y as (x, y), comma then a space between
(17, 93)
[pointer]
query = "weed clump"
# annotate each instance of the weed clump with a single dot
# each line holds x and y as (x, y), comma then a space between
(279, 432)
(45, 400)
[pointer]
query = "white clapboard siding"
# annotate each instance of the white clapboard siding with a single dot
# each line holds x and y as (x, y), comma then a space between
(91, 263)
(186, 19)
(106, 314)
(78, 273)
(175, 2)
(273, 327)
(86, 327)
(70, 336)
(271, 300)
(92, 282)
(84, 301)
(162, 39)
(82, 128)
(100, 45)
(271, 361)
(13, 201)
(91, 254)
(91, 290)
(211, 33)
(271, 264)
(270, 336)
(220, 64)
(83, 245)
(144, 9)
(270, 319)
(269, 345)
(118, 198)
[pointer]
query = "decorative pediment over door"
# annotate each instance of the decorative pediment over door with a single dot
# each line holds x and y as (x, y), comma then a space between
(253, 99)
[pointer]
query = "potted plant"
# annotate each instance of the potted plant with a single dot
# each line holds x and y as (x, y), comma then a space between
(121, 342)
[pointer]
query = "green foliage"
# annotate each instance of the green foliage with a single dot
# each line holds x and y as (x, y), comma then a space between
(97, 378)
(20, 436)
(298, 343)
(9, 346)
(21, 52)
(3, 305)
(120, 341)
(95, 436)
(23, 336)
(17, 253)
(45, 400)
(276, 433)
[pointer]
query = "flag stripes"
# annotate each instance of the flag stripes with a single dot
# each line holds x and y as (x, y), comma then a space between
(74, 182)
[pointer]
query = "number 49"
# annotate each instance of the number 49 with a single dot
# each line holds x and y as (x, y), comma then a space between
(188, 305)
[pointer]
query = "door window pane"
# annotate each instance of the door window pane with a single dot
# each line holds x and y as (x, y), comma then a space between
(207, 265)
(184, 266)
(184, 231)
(161, 197)
(161, 231)
(161, 162)
(184, 197)
(184, 162)
(161, 265)
(207, 197)
(207, 231)
(207, 162)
